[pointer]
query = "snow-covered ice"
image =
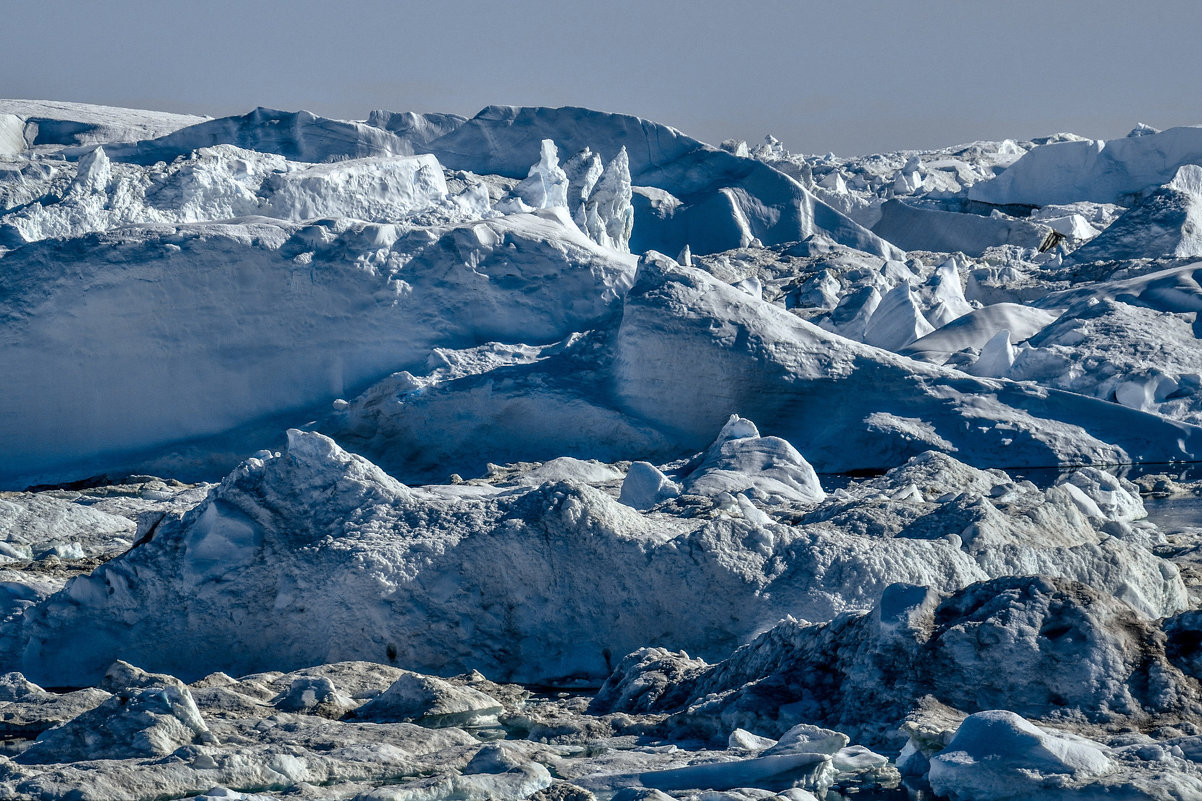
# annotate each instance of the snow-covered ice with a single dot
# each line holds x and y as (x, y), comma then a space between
(408, 444)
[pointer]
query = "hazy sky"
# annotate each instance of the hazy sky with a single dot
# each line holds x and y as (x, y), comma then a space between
(852, 77)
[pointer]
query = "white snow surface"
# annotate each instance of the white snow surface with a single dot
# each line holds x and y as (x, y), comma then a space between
(1110, 171)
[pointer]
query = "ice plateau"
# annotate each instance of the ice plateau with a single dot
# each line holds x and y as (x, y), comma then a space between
(554, 454)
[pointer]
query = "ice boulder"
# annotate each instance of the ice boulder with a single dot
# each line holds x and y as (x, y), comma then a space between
(645, 486)
(998, 755)
(150, 723)
(433, 702)
(740, 460)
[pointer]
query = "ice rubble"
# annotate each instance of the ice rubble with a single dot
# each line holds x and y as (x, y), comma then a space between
(351, 549)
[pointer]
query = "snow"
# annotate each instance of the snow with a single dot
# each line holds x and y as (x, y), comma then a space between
(996, 754)
(916, 228)
(728, 196)
(1167, 223)
(1112, 171)
(52, 122)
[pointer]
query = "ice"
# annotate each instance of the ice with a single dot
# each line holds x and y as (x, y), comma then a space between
(303, 312)
(546, 186)
(997, 356)
(298, 136)
(724, 190)
(1167, 223)
(645, 486)
(50, 122)
(550, 454)
(608, 213)
(431, 702)
(974, 329)
(897, 320)
(917, 228)
(740, 460)
(1112, 171)
(1034, 646)
(151, 722)
(997, 754)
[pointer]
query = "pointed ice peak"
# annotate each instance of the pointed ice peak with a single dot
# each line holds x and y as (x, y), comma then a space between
(997, 357)
(947, 294)
(1142, 129)
(95, 172)
(583, 171)
(685, 259)
(608, 214)
(546, 185)
(897, 321)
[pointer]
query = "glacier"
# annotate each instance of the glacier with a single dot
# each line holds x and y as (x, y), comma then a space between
(552, 453)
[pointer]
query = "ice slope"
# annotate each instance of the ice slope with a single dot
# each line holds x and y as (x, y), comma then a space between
(719, 200)
(159, 333)
(53, 122)
(316, 555)
(842, 404)
(917, 228)
(1110, 171)
(296, 135)
(1167, 223)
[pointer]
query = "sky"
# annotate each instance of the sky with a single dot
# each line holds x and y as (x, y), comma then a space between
(849, 76)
